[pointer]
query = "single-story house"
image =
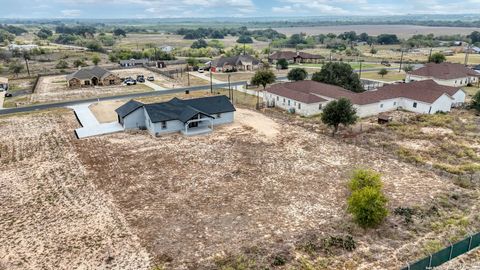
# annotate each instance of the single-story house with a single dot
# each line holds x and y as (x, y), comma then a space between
(167, 49)
(26, 47)
(449, 74)
(235, 63)
(133, 62)
(189, 116)
(474, 49)
(3, 83)
(294, 57)
(91, 77)
(309, 97)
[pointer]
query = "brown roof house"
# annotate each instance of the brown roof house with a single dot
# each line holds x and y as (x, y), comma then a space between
(235, 63)
(309, 97)
(92, 76)
(294, 57)
(448, 74)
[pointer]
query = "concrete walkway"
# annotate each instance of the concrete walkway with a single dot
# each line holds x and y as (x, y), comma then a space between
(154, 86)
(2, 99)
(90, 125)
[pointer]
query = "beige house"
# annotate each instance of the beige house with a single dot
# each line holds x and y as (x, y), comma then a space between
(91, 77)
(235, 63)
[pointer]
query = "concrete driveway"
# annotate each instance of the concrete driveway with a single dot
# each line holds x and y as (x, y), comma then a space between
(90, 125)
(154, 86)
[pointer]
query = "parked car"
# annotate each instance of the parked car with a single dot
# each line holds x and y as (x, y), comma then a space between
(140, 78)
(130, 82)
(150, 78)
(8, 95)
(385, 63)
(201, 70)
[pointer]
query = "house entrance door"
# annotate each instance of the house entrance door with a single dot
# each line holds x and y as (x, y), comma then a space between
(193, 125)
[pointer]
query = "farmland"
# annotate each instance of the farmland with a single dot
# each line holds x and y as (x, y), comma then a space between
(244, 193)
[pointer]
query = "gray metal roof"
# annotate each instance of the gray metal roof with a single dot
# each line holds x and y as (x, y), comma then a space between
(235, 60)
(177, 109)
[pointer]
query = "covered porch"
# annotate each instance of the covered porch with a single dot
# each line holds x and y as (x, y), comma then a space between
(200, 124)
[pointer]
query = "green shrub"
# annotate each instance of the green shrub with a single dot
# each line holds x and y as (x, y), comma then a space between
(364, 178)
(368, 207)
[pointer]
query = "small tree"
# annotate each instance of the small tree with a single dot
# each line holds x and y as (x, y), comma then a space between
(408, 68)
(244, 39)
(119, 32)
(62, 64)
(368, 207)
(282, 63)
(201, 43)
(476, 101)
(96, 59)
(383, 72)
(339, 112)
(437, 58)
(297, 74)
(373, 51)
(262, 77)
(340, 74)
(79, 63)
(16, 68)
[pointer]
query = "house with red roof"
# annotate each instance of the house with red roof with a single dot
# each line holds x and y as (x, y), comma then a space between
(449, 74)
(308, 98)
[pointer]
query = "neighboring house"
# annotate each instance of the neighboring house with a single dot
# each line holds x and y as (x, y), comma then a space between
(235, 63)
(167, 49)
(91, 77)
(476, 68)
(475, 50)
(189, 116)
(294, 57)
(3, 84)
(28, 47)
(309, 97)
(133, 62)
(448, 74)
(448, 53)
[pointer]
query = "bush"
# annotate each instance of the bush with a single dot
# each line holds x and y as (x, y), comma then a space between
(297, 74)
(365, 178)
(368, 207)
(282, 64)
(62, 64)
(476, 101)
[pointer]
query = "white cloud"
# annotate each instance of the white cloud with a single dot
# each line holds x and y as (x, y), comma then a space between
(70, 13)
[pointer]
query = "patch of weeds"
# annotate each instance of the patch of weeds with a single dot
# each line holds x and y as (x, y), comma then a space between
(231, 262)
(406, 212)
(463, 182)
(432, 246)
(312, 244)
(408, 155)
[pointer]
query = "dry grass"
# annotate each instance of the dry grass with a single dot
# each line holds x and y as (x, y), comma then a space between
(390, 77)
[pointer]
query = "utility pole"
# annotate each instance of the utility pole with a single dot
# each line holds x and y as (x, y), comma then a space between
(230, 92)
(360, 73)
(430, 55)
(211, 83)
(188, 75)
(26, 63)
(244, 48)
(401, 62)
(466, 54)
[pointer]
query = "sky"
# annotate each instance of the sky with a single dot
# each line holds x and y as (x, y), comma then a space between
(99, 9)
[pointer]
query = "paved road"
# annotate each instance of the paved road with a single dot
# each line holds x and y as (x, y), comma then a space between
(126, 96)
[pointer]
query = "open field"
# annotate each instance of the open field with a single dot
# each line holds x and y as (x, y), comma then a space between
(247, 193)
(403, 31)
(391, 76)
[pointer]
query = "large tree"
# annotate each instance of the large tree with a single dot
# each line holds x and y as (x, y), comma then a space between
(383, 72)
(297, 74)
(262, 77)
(339, 112)
(437, 58)
(476, 101)
(340, 74)
(474, 36)
(201, 43)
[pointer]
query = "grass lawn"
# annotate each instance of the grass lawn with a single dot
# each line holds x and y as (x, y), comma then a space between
(391, 76)
(471, 90)
(234, 77)
(473, 59)
(354, 65)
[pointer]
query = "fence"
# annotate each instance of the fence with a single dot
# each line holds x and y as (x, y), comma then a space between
(446, 254)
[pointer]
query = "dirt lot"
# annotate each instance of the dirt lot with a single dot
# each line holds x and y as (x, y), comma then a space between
(243, 194)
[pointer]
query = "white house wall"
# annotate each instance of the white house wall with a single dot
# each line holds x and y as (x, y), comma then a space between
(135, 120)
(459, 97)
(453, 82)
(304, 108)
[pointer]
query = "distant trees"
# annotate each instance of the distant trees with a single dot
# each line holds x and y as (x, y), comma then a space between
(339, 112)
(119, 32)
(366, 202)
(474, 36)
(383, 72)
(245, 39)
(201, 43)
(262, 34)
(282, 63)
(80, 30)
(263, 77)
(437, 57)
(44, 33)
(340, 74)
(297, 74)
(5, 36)
(387, 39)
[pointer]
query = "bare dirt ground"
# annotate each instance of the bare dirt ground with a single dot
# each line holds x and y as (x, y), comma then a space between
(54, 89)
(51, 215)
(254, 188)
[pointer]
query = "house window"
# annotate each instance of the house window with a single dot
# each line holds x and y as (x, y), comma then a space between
(278, 98)
(87, 83)
(112, 81)
(164, 125)
(381, 105)
(219, 115)
(283, 100)
(320, 106)
(414, 104)
(299, 106)
(394, 103)
(289, 102)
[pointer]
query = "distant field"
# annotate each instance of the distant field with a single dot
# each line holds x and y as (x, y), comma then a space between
(402, 31)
